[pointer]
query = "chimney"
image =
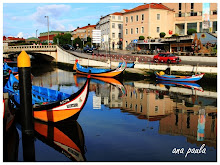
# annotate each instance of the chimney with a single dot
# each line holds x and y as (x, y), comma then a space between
(88, 24)
(77, 27)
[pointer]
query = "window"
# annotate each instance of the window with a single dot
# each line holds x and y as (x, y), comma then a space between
(136, 17)
(141, 109)
(142, 17)
(215, 12)
(113, 17)
(180, 6)
(126, 43)
(119, 35)
(131, 30)
(126, 19)
(156, 109)
(119, 26)
(158, 29)
(131, 18)
(192, 13)
(136, 107)
(142, 29)
(158, 16)
(141, 95)
(192, 5)
(119, 17)
(126, 31)
(180, 14)
(113, 35)
(113, 25)
(136, 30)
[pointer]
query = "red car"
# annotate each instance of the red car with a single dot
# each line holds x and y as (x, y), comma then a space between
(166, 58)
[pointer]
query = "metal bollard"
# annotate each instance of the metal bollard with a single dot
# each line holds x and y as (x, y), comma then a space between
(25, 88)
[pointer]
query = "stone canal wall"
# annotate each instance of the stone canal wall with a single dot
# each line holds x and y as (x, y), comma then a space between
(182, 68)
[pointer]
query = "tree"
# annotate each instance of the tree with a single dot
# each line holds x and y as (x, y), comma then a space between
(63, 39)
(141, 37)
(162, 35)
(191, 31)
(77, 41)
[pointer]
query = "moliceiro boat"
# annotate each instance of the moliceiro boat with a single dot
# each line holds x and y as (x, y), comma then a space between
(100, 72)
(50, 105)
(192, 78)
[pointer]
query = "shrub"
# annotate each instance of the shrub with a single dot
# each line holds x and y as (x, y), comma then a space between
(175, 35)
(141, 37)
(191, 31)
(162, 35)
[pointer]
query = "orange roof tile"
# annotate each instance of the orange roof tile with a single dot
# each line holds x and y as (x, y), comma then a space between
(152, 6)
(85, 27)
(116, 13)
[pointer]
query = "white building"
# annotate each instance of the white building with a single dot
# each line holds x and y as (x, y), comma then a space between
(111, 27)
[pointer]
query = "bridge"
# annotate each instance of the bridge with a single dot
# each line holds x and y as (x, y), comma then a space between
(30, 48)
(53, 53)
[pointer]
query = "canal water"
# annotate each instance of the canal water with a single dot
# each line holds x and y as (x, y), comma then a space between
(128, 121)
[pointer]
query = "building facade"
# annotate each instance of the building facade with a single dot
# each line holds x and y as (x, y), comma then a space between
(191, 16)
(83, 32)
(111, 27)
(149, 20)
(146, 20)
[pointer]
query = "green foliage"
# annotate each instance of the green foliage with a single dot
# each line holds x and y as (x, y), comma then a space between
(162, 35)
(63, 39)
(141, 37)
(77, 41)
(88, 43)
(175, 35)
(191, 31)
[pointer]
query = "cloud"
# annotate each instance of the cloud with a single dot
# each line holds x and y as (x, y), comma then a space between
(25, 35)
(53, 11)
(20, 35)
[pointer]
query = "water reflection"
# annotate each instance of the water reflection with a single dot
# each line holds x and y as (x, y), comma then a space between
(67, 138)
(177, 114)
(108, 91)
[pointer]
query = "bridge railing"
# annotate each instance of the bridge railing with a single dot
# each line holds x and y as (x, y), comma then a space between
(29, 48)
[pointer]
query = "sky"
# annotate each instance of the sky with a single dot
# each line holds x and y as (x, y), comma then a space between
(25, 19)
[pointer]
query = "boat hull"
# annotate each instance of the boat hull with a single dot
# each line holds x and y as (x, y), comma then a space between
(100, 72)
(179, 78)
(54, 110)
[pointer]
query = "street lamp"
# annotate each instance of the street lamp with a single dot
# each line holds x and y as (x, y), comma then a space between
(36, 33)
(48, 27)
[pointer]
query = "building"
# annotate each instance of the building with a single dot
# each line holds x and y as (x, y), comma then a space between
(193, 16)
(32, 40)
(147, 20)
(111, 27)
(12, 39)
(83, 32)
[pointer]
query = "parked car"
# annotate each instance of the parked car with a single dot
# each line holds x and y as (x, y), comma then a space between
(68, 47)
(88, 50)
(166, 58)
